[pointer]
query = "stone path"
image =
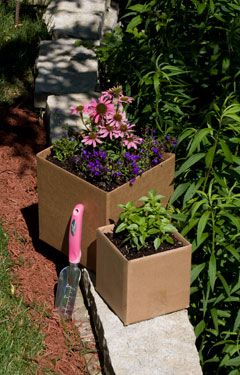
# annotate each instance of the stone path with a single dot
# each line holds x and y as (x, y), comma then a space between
(65, 66)
(67, 75)
(161, 346)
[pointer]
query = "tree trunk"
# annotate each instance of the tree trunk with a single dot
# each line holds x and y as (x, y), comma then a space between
(17, 13)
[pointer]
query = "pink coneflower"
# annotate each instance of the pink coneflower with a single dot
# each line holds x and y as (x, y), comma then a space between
(91, 139)
(117, 118)
(125, 99)
(125, 129)
(114, 92)
(76, 109)
(99, 109)
(132, 141)
(108, 130)
(107, 95)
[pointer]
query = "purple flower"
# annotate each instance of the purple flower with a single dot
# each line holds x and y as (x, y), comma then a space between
(173, 142)
(102, 154)
(135, 170)
(168, 138)
(155, 150)
(132, 181)
(131, 157)
(127, 155)
(117, 174)
(155, 161)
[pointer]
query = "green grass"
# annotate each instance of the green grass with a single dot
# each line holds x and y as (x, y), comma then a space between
(19, 50)
(20, 340)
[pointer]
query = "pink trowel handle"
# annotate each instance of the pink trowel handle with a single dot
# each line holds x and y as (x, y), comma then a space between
(75, 234)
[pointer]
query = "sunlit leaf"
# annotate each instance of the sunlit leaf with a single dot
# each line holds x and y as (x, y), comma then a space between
(189, 163)
(202, 224)
(210, 156)
(237, 322)
(212, 269)
(214, 315)
(180, 189)
(134, 23)
(199, 328)
(226, 151)
(199, 137)
(157, 243)
(196, 270)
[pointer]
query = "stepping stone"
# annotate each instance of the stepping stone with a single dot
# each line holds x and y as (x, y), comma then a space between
(111, 17)
(58, 112)
(74, 6)
(64, 68)
(81, 19)
(164, 345)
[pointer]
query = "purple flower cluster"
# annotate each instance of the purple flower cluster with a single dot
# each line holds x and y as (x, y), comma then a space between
(94, 161)
(109, 167)
(170, 141)
(132, 161)
(157, 153)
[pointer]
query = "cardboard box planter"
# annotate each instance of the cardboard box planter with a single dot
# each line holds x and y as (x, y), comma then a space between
(59, 191)
(146, 287)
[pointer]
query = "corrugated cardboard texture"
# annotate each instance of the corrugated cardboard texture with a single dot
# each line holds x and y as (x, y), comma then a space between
(143, 288)
(114, 264)
(59, 191)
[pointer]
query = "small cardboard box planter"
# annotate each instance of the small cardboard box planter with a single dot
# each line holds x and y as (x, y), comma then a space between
(59, 191)
(146, 287)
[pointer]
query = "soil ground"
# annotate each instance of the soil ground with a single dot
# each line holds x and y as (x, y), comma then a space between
(36, 265)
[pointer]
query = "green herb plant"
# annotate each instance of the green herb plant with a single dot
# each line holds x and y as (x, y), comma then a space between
(65, 148)
(147, 224)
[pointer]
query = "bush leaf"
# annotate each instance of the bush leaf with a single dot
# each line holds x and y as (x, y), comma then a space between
(196, 270)
(212, 270)
(189, 162)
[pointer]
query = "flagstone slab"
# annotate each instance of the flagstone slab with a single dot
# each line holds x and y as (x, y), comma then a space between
(64, 68)
(111, 17)
(83, 6)
(81, 19)
(164, 345)
(58, 112)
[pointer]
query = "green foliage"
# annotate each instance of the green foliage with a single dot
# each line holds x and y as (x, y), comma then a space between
(175, 58)
(20, 340)
(208, 197)
(65, 148)
(18, 49)
(181, 62)
(149, 223)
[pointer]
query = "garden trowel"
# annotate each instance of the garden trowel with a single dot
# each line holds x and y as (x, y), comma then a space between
(69, 277)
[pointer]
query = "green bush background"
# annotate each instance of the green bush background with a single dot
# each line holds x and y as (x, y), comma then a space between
(181, 62)
(19, 49)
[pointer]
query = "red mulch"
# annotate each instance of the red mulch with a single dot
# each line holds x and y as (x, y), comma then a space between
(36, 267)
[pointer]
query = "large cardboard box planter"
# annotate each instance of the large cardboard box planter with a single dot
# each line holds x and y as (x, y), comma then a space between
(146, 287)
(59, 191)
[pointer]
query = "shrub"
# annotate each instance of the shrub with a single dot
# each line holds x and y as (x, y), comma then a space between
(175, 58)
(19, 49)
